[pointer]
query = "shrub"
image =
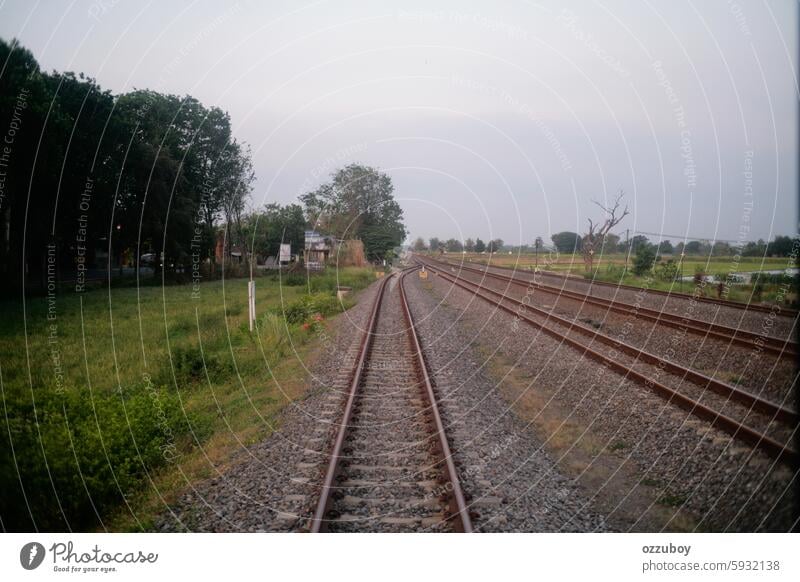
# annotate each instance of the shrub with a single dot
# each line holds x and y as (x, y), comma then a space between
(667, 271)
(643, 262)
(81, 454)
(302, 309)
(190, 365)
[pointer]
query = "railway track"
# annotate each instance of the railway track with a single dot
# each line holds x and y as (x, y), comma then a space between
(776, 346)
(391, 468)
(724, 406)
(785, 311)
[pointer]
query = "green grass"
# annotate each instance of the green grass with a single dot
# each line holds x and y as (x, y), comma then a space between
(154, 386)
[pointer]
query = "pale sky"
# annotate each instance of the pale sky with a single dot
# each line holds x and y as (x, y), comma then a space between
(494, 119)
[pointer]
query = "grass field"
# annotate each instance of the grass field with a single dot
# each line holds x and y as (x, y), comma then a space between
(119, 398)
(611, 268)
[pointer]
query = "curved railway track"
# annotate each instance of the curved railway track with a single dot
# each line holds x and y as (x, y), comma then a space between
(391, 468)
(785, 311)
(645, 368)
(776, 346)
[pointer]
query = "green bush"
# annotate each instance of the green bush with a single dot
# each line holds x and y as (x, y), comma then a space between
(643, 262)
(667, 270)
(307, 306)
(82, 454)
(190, 366)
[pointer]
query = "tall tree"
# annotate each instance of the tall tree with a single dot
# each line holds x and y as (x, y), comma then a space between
(594, 239)
(358, 202)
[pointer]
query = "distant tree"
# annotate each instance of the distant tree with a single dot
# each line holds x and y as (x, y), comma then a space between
(610, 243)
(666, 247)
(267, 229)
(494, 245)
(469, 245)
(645, 257)
(721, 248)
(434, 244)
(419, 244)
(358, 202)
(453, 246)
(693, 247)
(781, 246)
(567, 242)
(639, 241)
(480, 246)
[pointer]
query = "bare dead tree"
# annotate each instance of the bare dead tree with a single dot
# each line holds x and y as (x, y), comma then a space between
(593, 240)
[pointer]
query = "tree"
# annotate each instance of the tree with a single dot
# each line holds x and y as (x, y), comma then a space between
(494, 245)
(593, 240)
(665, 246)
(645, 257)
(419, 245)
(693, 247)
(266, 230)
(434, 244)
(480, 246)
(781, 246)
(637, 241)
(469, 245)
(358, 202)
(453, 246)
(567, 242)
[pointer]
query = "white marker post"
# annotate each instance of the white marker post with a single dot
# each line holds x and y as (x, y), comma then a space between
(251, 297)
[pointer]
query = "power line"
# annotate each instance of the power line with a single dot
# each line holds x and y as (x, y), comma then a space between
(690, 238)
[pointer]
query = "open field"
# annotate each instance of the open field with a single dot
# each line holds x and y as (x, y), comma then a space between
(115, 400)
(611, 268)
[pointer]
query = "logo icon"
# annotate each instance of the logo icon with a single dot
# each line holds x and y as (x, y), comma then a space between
(31, 555)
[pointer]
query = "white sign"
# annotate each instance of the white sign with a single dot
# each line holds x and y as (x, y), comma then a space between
(286, 253)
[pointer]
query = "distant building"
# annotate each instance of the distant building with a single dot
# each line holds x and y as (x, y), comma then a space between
(317, 249)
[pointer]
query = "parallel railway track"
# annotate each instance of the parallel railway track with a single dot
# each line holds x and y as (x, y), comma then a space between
(776, 346)
(793, 313)
(583, 338)
(391, 467)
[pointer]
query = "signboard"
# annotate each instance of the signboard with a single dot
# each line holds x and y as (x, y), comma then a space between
(285, 254)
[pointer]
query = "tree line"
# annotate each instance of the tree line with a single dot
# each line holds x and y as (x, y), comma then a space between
(88, 177)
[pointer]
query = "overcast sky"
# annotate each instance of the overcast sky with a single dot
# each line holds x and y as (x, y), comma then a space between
(494, 119)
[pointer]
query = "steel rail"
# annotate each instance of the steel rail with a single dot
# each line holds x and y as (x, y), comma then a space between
(783, 311)
(775, 449)
(458, 510)
(323, 505)
(781, 348)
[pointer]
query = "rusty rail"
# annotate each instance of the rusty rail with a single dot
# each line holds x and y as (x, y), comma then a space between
(781, 348)
(458, 510)
(782, 452)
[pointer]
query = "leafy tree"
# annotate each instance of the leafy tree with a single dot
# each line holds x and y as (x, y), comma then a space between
(665, 246)
(567, 242)
(265, 231)
(453, 246)
(358, 202)
(419, 244)
(645, 257)
(781, 246)
(434, 244)
(469, 245)
(693, 247)
(638, 241)
(480, 246)
(494, 245)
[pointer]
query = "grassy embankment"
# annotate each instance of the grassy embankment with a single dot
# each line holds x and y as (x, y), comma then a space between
(134, 392)
(611, 268)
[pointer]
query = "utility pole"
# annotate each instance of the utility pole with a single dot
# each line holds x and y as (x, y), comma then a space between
(627, 247)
